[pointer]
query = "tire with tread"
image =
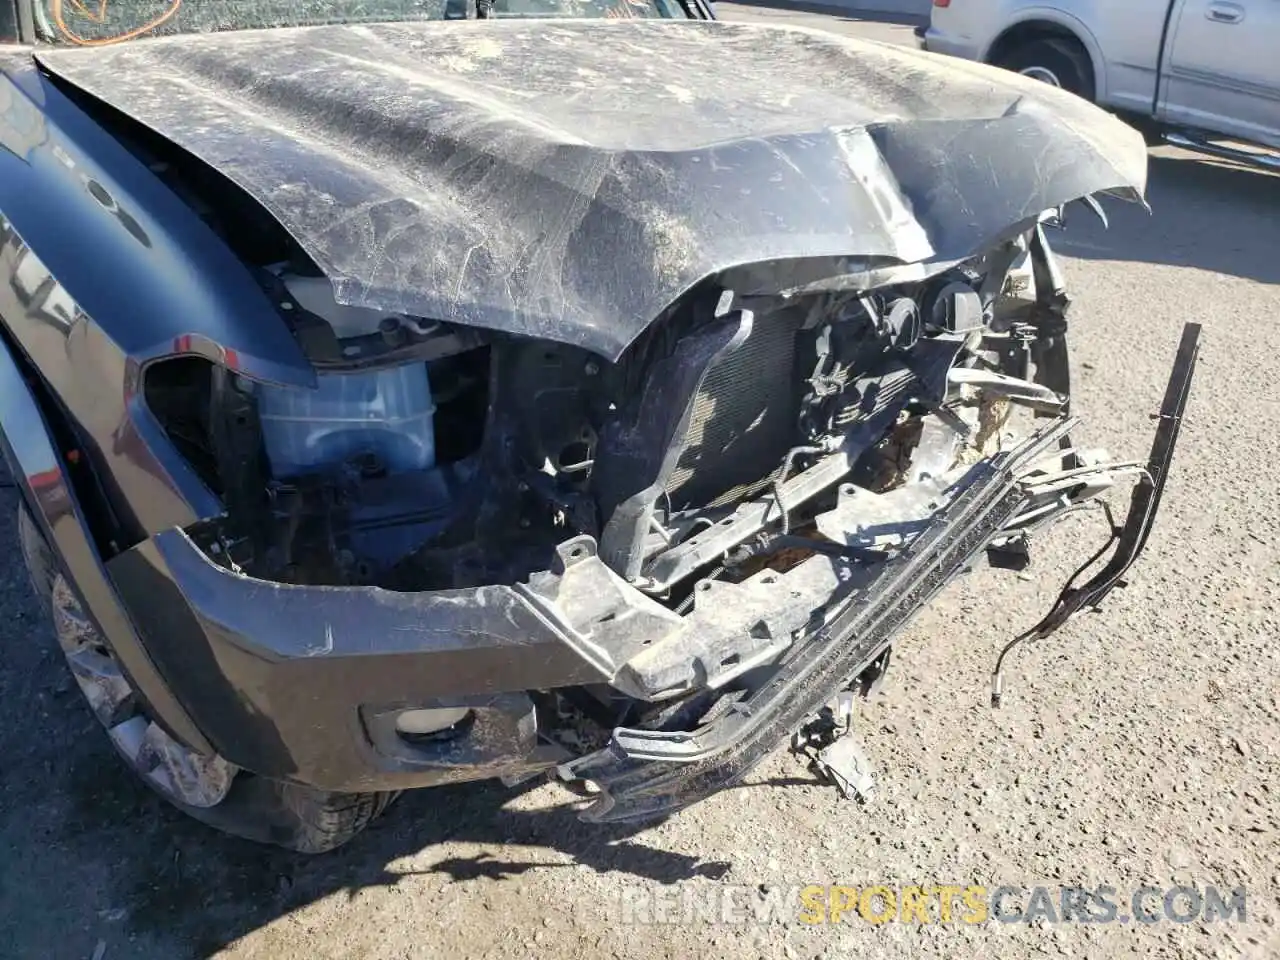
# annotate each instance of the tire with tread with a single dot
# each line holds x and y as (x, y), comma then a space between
(288, 815)
(1067, 59)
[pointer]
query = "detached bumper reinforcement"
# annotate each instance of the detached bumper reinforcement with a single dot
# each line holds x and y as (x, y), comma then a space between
(647, 773)
(644, 773)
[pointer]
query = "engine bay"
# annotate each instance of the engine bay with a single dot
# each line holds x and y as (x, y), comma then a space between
(437, 456)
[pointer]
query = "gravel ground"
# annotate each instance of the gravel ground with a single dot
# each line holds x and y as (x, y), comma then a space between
(1138, 746)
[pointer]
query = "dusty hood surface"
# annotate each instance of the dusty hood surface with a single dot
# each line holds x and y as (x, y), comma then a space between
(570, 179)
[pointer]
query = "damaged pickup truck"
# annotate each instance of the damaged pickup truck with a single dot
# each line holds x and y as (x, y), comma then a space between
(449, 391)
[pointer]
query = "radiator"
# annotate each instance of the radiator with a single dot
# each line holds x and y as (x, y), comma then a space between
(744, 419)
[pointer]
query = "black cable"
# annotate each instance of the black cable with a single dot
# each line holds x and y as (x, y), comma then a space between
(781, 477)
(997, 678)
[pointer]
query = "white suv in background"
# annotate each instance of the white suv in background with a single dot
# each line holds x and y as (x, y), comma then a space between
(1190, 71)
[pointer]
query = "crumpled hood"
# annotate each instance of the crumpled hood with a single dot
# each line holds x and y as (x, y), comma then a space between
(569, 179)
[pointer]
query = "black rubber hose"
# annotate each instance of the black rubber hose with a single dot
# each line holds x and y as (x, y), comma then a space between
(781, 478)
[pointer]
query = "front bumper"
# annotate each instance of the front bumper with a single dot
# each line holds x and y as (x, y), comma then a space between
(304, 683)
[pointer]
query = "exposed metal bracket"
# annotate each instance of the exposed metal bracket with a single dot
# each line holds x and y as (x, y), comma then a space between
(840, 757)
(1034, 395)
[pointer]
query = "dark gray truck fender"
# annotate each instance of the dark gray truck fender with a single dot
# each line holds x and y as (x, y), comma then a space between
(40, 475)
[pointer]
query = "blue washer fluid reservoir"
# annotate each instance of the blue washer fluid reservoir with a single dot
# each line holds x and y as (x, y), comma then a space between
(385, 413)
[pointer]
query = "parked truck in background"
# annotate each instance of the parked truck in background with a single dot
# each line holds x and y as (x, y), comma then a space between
(1194, 73)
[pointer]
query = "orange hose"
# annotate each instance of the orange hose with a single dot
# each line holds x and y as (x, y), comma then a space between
(98, 17)
(55, 10)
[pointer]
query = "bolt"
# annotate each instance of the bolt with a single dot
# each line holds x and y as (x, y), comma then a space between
(591, 369)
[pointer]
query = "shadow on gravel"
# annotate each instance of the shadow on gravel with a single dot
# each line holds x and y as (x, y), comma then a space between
(87, 848)
(1208, 214)
(175, 875)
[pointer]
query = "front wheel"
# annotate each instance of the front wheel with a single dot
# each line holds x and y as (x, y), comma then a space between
(1057, 61)
(208, 788)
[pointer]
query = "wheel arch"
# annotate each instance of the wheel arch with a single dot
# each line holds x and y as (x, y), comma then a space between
(1049, 23)
(29, 442)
